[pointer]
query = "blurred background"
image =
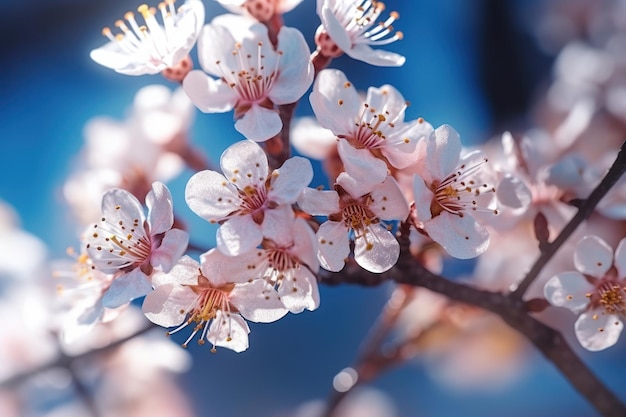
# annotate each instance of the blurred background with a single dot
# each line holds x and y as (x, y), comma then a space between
(481, 66)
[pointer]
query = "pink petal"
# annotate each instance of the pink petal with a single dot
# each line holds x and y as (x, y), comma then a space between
(299, 291)
(334, 27)
(239, 234)
(245, 164)
(598, 331)
(259, 124)
(569, 290)
(160, 212)
(461, 237)
(443, 151)
(388, 202)
(222, 269)
(378, 57)
(319, 202)
(185, 272)
(208, 94)
(335, 101)
(126, 288)
(512, 192)
(211, 196)
(295, 68)
(593, 256)
(365, 170)
(304, 244)
(173, 247)
(258, 302)
(230, 331)
(423, 199)
(333, 245)
(620, 258)
(378, 251)
(290, 180)
(277, 222)
(162, 306)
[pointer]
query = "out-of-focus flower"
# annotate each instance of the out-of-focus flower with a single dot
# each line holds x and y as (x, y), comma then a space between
(212, 302)
(596, 291)
(352, 26)
(376, 123)
(362, 402)
(250, 202)
(252, 77)
(355, 210)
(449, 193)
(261, 10)
(153, 47)
(128, 244)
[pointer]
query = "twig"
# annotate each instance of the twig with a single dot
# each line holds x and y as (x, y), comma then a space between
(585, 209)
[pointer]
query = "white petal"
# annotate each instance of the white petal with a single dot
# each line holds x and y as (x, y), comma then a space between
(312, 140)
(443, 152)
(304, 244)
(290, 179)
(215, 46)
(258, 302)
(461, 237)
(295, 70)
(334, 27)
(259, 124)
(126, 288)
(163, 305)
(512, 192)
(333, 245)
(319, 202)
(620, 259)
(160, 212)
(230, 331)
(299, 291)
(277, 222)
(388, 202)
(593, 256)
(335, 101)
(423, 198)
(378, 57)
(222, 269)
(120, 205)
(185, 272)
(173, 246)
(597, 331)
(362, 166)
(239, 234)
(569, 290)
(245, 164)
(378, 251)
(208, 94)
(211, 196)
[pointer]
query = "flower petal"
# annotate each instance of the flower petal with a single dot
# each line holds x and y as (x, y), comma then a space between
(512, 192)
(335, 101)
(160, 211)
(295, 68)
(245, 164)
(461, 237)
(163, 306)
(299, 291)
(378, 57)
(239, 234)
(230, 331)
(593, 256)
(333, 245)
(258, 302)
(173, 246)
(211, 196)
(423, 198)
(126, 288)
(208, 94)
(620, 259)
(290, 179)
(443, 151)
(319, 202)
(259, 124)
(378, 250)
(388, 202)
(597, 331)
(569, 290)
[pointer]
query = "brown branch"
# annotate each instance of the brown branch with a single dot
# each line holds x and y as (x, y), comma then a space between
(585, 209)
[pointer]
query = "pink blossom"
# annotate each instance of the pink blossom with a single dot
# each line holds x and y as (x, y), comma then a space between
(449, 192)
(129, 245)
(248, 201)
(251, 76)
(355, 210)
(596, 291)
(213, 302)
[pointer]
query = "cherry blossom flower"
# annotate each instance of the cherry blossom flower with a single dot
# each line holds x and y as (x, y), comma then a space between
(252, 77)
(376, 123)
(449, 192)
(355, 210)
(596, 291)
(211, 301)
(128, 244)
(352, 26)
(153, 47)
(262, 10)
(288, 262)
(248, 201)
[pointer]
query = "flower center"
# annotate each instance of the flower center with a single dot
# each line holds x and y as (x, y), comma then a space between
(252, 80)
(612, 298)
(120, 246)
(360, 21)
(151, 39)
(204, 309)
(253, 201)
(459, 192)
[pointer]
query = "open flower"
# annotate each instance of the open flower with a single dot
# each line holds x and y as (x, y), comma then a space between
(129, 245)
(248, 201)
(153, 47)
(596, 291)
(251, 76)
(376, 123)
(352, 26)
(355, 210)
(450, 191)
(211, 301)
